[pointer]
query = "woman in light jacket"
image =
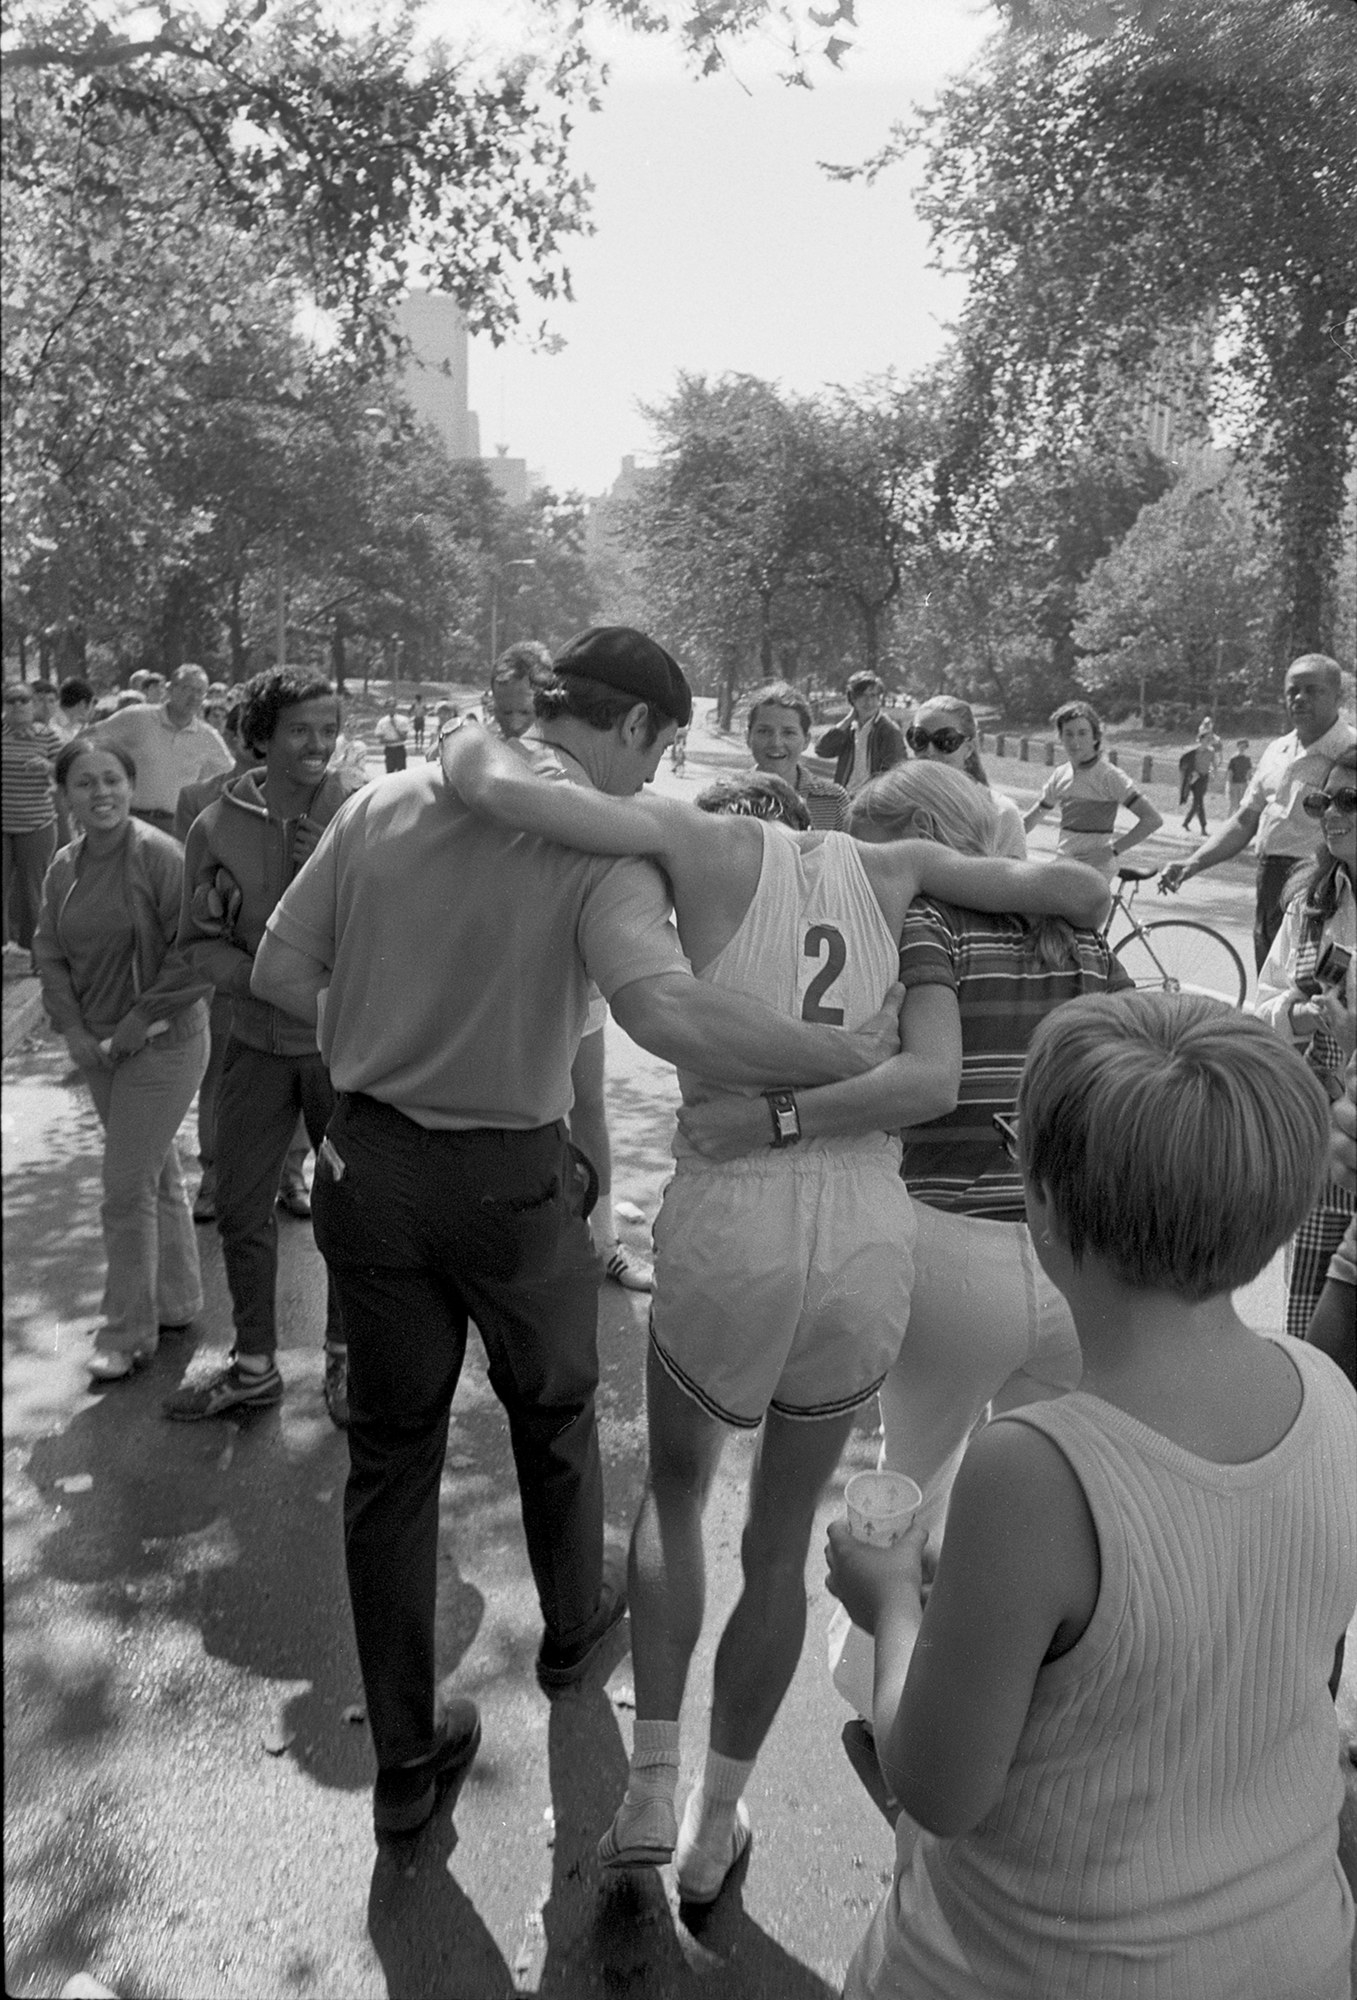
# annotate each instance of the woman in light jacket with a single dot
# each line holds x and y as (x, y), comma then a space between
(134, 1017)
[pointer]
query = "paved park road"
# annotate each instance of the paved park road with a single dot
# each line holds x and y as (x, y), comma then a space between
(187, 1768)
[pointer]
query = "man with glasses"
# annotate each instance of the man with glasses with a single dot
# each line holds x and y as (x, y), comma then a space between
(1272, 813)
(866, 742)
(778, 735)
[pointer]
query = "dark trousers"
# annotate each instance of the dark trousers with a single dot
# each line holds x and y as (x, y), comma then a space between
(394, 753)
(424, 1230)
(1196, 788)
(26, 860)
(1274, 872)
(219, 1023)
(258, 1100)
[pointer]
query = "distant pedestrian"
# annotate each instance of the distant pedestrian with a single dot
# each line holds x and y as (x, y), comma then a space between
(1194, 768)
(516, 675)
(865, 742)
(1272, 812)
(1090, 791)
(418, 715)
(1237, 774)
(28, 814)
(75, 705)
(169, 743)
(442, 716)
(134, 1017)
(391, 732)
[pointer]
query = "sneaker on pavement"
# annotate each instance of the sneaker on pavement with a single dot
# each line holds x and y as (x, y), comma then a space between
(337, 1386)
(230, 1389)
(403, 1800)
(561, 1664)
(629, 1272)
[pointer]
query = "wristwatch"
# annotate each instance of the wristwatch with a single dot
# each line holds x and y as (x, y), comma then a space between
(786, 1118)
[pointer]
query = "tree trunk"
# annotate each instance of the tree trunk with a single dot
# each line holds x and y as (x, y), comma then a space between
(337, 652)
(240, 656)
(765, 637)
(1311, 456)
(871, 637)
(729, 686)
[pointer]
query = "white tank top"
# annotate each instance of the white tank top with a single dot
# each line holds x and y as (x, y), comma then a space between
(813, 944)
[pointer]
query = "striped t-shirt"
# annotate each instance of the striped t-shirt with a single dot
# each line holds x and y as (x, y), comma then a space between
(1088, 796)
(957, 1162)
(828, 804)
(29, 798)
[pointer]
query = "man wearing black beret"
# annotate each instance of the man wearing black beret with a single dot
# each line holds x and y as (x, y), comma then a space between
(454, 959)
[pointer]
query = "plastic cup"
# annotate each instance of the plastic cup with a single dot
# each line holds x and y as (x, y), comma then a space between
(881, 1506)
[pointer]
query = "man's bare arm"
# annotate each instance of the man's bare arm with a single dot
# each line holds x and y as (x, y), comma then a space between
(727, 1038)
(1227, 840)
(287, 978)
(1054, 888)
(494, 780)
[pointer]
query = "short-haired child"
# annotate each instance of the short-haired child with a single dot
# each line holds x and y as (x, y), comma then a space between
(1114, 1729)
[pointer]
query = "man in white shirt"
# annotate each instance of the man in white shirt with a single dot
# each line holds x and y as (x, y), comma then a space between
(1271, 813)
(170, 745)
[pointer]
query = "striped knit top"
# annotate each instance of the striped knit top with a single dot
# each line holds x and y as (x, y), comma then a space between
(1168, 1828)
(957, 1162)
(28, 797)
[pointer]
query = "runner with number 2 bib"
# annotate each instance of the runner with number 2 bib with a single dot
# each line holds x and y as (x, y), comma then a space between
(782, 1278)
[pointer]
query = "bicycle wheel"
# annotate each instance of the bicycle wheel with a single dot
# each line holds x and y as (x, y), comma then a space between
(1175, 955)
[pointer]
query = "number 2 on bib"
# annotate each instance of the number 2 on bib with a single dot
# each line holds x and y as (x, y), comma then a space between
(822, 940)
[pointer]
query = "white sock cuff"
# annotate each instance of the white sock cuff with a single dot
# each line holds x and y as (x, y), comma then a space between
(725, 1778)
(654, 1743)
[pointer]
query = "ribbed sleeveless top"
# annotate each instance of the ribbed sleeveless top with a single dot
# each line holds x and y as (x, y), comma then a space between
(1168, 1827)
(813, 944)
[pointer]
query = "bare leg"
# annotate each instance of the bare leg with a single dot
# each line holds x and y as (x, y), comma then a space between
(589, 1131)
(666, 1589)
(762, 1642)
(666, 1584)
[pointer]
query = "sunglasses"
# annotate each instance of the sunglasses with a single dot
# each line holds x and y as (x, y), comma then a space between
(1007, 1128)
(943, 740)
(1344, 802)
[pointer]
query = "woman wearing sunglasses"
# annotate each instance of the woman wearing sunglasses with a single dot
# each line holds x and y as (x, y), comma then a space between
(1307, 990)
(943, 729)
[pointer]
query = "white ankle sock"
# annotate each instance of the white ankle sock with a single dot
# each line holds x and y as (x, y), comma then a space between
(711, 1810)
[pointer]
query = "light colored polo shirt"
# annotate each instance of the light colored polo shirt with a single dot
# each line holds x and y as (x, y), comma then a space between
(166, 758)
(461, 954)
(1286, 772)
(1089, 797)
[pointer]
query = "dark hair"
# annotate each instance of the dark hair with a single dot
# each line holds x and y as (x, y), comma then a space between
(591, 702)
(1319, 882)
(862, 681)
(1080, 711)
(266, 695)
(756, 795)
(778, 694)
(525, 660)
(81, 746)
(73, 692)
(42, 687)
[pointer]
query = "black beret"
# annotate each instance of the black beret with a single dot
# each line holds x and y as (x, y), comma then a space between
(620, 657)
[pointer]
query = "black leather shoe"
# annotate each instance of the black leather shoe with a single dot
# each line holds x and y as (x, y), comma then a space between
(403, 1800)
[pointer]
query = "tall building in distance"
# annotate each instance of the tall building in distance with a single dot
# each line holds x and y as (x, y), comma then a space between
(435, 381)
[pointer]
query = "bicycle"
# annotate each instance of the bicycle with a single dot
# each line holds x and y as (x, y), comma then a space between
(1175, 954)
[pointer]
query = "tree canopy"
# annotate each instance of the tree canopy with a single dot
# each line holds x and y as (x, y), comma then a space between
(1178, 176)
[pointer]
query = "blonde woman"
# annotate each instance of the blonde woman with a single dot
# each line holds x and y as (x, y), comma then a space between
(943, 731)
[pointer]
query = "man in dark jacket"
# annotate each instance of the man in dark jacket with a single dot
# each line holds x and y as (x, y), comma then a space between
(866, 742)
(241, 854)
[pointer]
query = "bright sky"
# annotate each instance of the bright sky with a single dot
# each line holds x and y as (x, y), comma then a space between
(720, 244)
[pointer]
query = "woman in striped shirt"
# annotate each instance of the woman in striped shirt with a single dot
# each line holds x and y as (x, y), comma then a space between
(985, 1322)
